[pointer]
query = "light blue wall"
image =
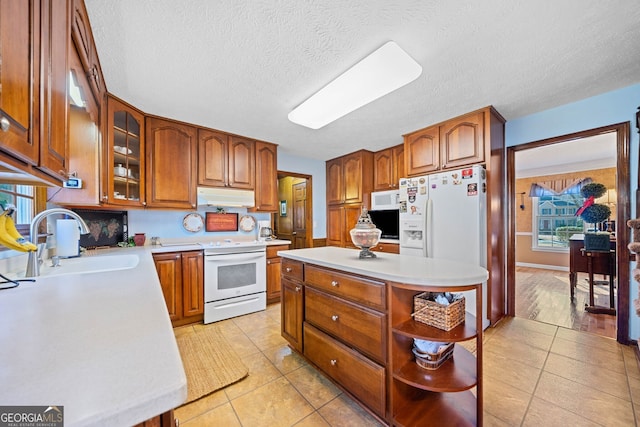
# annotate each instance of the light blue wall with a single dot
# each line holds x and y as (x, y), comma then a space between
(602, 110)
(315, 168)
(168, 224)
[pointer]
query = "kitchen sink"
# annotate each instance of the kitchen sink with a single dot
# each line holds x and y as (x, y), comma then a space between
(90, 264)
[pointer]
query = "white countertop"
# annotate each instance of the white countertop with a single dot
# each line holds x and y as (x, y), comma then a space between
(406, 269)
(100, 344)
(194, 245)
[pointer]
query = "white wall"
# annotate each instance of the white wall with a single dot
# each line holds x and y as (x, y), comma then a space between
(317, 170)
(602, 110)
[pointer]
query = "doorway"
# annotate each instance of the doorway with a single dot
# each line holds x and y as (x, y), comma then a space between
(294, 219)
(620, 133)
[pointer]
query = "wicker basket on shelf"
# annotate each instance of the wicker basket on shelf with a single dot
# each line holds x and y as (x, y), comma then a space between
(445, 317)
(433, 360)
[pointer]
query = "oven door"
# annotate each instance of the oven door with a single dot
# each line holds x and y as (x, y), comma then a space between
(233, 275)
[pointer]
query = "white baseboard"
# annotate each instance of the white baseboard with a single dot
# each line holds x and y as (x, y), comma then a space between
(543, 266)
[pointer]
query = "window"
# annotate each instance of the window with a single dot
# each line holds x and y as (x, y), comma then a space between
(554, 220)
(23, 198)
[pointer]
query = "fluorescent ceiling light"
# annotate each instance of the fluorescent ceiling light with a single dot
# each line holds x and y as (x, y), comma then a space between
(385, 70)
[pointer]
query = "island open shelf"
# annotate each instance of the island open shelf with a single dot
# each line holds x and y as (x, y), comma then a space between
(440, 396)
(420, 408)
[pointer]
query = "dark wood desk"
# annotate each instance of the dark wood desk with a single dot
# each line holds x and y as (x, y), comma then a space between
(592, 262)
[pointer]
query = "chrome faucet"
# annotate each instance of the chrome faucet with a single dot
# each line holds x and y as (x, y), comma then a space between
(35, 257)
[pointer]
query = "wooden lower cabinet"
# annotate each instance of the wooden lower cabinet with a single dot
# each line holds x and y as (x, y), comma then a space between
(362, 377)
(274, 269)
(181, 276)
(342, 319)
(362, 328)
(291, 307)
(340, 220)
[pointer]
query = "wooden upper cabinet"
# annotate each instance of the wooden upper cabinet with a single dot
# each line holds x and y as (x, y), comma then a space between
(124, 154)
(225, 160)
(350, 178)
(388, 168)
(335, 182)
(266, 177)
(84, 148)
(354, 171)
(213, 162)
(170, 164)
(456, 143)
(54, 104)
(19, 78)
(242, 163)
(462, 140)
(85, 44)
(422, 151)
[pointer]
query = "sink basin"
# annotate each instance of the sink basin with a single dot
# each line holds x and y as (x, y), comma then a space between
(90, 264)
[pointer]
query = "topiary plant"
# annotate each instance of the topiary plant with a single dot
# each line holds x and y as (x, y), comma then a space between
(590, 211)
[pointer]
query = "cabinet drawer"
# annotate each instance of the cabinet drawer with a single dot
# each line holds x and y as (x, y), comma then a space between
(292, 269)
(362, 377)
(354, 325)
(391, 248)
(360, 290)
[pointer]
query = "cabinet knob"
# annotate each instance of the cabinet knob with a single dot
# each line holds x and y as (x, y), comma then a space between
(334, 362)
(288, 269)
(5, 124)
(298, 288)
(334, 317)
(268, 261)
(334, 283)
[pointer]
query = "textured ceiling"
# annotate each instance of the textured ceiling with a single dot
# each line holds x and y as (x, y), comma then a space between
(242, 65)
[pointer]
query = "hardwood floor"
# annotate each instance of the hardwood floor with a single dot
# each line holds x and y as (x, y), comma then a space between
(543, 296)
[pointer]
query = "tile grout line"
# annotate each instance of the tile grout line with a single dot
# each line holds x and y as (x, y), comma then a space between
(535, 388)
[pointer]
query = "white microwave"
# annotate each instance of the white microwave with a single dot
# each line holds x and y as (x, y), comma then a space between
(384, 200)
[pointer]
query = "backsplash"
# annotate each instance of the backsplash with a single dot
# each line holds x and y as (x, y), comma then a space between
(168, 225)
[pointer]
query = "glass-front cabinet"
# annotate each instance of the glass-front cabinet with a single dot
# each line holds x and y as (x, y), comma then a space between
(124, 155)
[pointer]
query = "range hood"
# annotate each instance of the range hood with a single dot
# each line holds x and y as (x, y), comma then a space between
(228, 197)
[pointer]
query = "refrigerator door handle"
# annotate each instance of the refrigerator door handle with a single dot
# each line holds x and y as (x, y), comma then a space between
(428, 245)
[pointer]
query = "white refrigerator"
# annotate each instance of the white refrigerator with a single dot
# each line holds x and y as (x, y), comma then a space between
(444, 215)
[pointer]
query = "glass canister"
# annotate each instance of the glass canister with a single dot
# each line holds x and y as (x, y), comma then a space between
(365, 235)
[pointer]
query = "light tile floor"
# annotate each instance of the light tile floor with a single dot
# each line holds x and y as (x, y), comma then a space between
(535, 374)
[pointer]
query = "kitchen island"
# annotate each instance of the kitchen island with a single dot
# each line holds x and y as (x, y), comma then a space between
(352, 319)
(100, 344)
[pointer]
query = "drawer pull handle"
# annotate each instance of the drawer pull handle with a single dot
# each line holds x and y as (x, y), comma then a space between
(5, 124)
(334, 317)
(298, 288)
(288, 269)
(334, 283)
(334, 362)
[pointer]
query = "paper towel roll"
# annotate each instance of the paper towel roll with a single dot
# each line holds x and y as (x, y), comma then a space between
(67, 237)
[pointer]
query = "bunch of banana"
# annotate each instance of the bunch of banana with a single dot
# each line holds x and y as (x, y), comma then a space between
(11, 238)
